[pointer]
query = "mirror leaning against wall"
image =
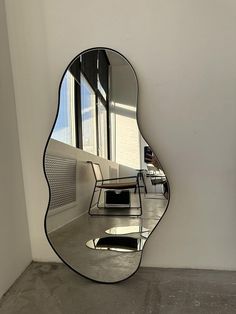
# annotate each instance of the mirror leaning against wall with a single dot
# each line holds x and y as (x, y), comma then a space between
(108, 190)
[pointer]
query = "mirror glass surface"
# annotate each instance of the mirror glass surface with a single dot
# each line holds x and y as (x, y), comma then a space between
(119, 244)
(127, 230)
(108, 190)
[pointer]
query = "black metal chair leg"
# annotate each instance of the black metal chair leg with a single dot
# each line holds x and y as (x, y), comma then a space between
(99, 198)
(140, 202)
(91, 202)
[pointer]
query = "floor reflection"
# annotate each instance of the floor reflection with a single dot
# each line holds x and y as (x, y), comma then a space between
(106, 265)
(119, 244)
(127, 230)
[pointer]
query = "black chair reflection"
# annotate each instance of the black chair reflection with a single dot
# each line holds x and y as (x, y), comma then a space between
(109, 184)
(157, 177)
(141, 178)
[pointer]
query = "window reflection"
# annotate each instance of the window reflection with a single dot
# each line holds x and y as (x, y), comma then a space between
(102, 129)
(98, 108)
(64, 130)
(88, 114)
(126, 136)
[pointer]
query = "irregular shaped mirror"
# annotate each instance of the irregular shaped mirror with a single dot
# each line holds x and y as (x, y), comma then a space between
(107, 188)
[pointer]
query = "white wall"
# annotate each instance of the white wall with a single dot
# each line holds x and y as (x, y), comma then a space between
(184, 56)
(14, 234)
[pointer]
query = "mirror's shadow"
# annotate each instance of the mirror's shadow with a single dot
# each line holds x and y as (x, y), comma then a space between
(108, 190)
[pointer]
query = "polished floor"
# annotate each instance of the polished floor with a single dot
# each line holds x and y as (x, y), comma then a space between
(105, 266)
(53, 288)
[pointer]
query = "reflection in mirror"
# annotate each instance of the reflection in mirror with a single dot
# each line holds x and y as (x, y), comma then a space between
(127, 230)
(119, 244)
(104, 180)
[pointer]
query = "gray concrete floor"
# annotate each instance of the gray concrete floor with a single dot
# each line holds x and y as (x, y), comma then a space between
(53, 288)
